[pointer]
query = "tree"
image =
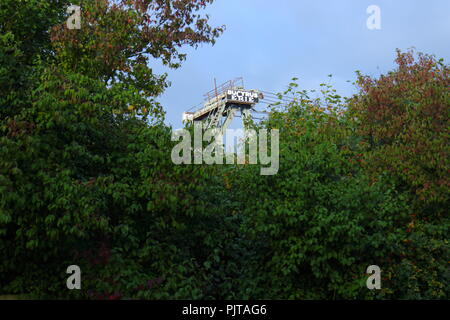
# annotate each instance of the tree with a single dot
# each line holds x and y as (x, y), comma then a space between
(85, 170)
(404, 118)
(24, 40)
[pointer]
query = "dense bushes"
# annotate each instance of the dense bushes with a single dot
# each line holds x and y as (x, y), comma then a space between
(325, 217)
(86, 177)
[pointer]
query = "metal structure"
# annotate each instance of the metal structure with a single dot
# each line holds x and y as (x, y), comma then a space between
(222, 103)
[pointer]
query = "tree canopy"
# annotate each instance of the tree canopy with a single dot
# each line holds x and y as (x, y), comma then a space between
(86, 176)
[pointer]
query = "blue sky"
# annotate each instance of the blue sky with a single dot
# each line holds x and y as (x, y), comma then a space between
(270, 42)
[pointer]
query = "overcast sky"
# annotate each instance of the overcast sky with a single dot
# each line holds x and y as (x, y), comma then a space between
(269, 42)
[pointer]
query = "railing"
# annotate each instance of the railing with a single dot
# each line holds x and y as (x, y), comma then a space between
(214, 93)
(223, 88)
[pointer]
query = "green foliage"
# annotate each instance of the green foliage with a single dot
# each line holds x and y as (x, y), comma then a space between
(404, 119)
(87, 179)
(324, 218)
(24, 39)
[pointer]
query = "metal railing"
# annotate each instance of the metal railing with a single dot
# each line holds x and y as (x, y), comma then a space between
(238, 82)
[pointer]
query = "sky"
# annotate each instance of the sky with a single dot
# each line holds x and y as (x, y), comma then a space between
(269, 42)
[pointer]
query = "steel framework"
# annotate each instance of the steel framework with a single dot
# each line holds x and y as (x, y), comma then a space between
(222, 103)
